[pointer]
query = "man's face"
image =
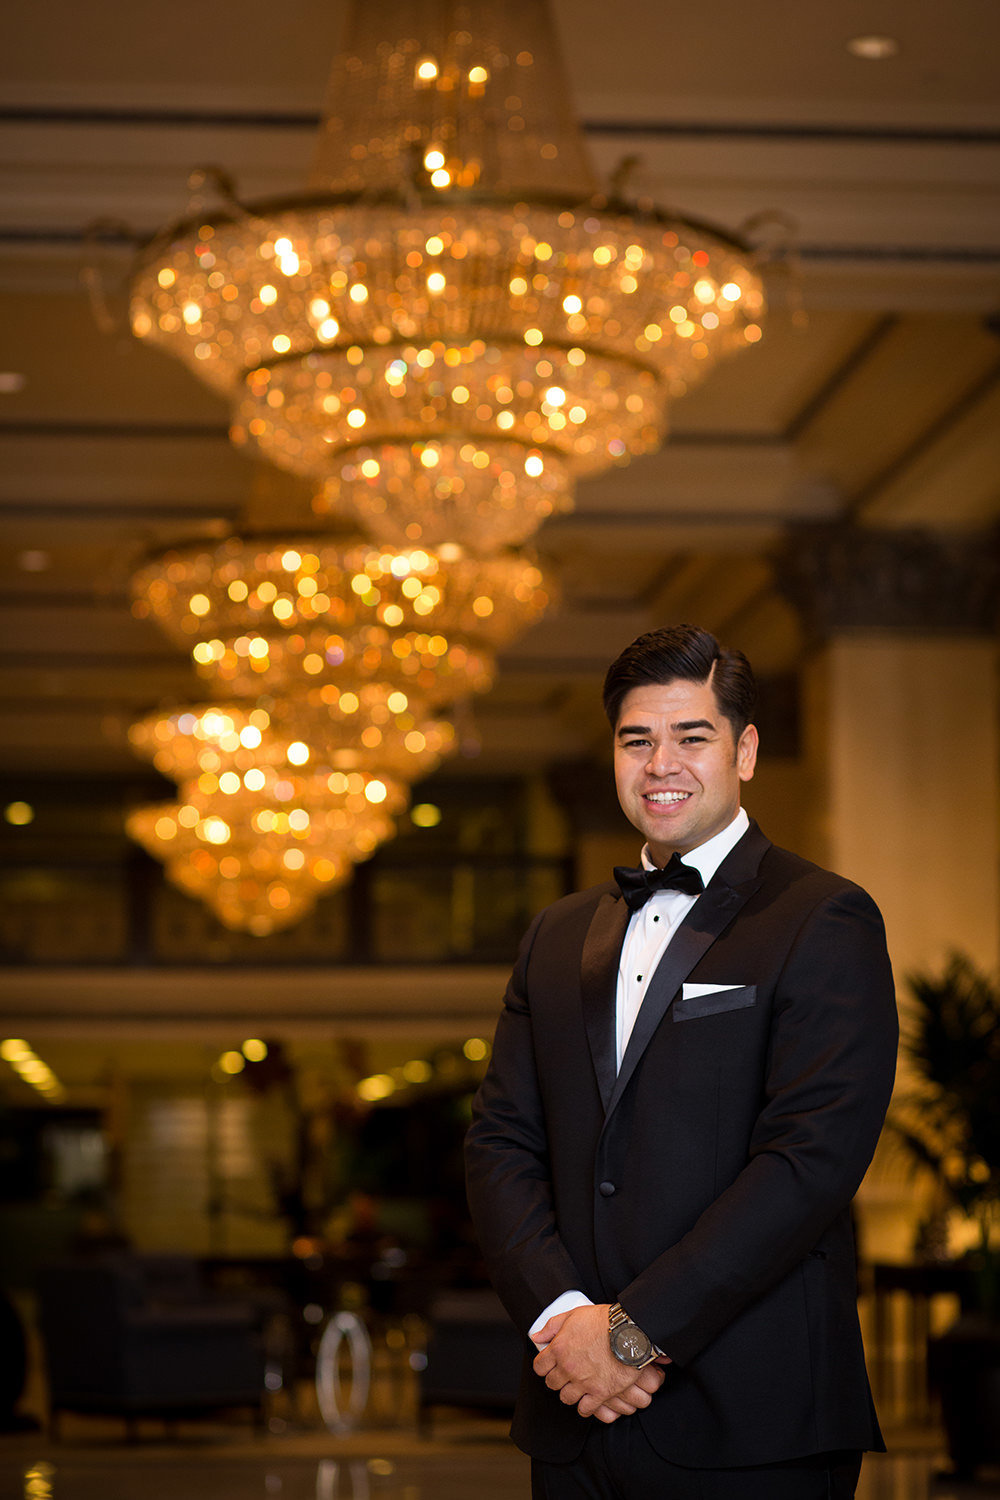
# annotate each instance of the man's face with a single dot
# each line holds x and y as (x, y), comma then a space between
(678, 767)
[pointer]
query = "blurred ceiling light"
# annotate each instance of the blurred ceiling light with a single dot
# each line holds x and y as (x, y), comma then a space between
(873, 47)
(379, 1086)
(19, 813)
(31, 1069)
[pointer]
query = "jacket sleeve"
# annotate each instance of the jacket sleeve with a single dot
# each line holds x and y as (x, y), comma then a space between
(507, 1166)
(829, 1075)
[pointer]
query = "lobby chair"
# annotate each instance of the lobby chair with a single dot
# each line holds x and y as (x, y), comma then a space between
(474, 1355)
(142, 1336)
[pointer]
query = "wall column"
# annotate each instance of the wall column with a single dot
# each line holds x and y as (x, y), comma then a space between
(902, 732)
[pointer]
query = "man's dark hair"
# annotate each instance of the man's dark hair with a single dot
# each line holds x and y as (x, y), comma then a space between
(690, 653)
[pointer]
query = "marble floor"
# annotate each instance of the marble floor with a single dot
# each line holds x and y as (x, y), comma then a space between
(463, 1459)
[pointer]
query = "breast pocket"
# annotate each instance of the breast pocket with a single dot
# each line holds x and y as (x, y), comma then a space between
(701, 1000)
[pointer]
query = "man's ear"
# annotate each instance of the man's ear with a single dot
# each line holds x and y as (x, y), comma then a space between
(746, 752)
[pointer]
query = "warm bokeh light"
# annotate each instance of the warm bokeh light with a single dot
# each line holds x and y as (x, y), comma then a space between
(30, 1068)
(873, 47)
(379, 1086)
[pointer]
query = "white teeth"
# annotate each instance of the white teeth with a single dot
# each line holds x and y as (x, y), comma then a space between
(667, 796)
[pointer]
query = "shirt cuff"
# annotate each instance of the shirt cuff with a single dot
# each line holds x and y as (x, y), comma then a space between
(562, 1304)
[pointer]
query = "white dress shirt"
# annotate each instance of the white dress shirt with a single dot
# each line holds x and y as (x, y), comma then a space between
(649, 931)
(654, 924)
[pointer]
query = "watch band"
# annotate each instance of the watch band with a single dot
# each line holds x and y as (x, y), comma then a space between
(616, 1315)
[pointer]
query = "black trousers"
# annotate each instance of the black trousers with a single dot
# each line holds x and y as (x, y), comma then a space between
(618, 1463)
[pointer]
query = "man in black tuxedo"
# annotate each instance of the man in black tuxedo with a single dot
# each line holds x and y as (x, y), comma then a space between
(688, 1080)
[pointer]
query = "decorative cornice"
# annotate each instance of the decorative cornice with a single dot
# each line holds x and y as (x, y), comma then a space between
(218, 1003)
(844, 578)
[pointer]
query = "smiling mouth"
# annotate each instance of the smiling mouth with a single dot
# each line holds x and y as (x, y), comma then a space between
(665, 799)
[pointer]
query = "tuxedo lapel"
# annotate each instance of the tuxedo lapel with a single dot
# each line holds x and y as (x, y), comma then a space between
(599, 983)
(728, 891)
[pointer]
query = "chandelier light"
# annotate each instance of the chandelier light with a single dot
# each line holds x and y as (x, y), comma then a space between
(261, 613)
(277, 804)
(261, 858)
(452, 276)
(230, 747)
(331, 654)
(434, 489)
(446, 329)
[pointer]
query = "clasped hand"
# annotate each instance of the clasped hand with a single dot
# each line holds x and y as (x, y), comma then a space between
(577, 1362)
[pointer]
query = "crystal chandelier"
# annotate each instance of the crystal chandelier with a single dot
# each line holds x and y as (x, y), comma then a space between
(334, 617)
(226, 746)
(451, 295)
(331, 654)
(443, 332)
(276, 804)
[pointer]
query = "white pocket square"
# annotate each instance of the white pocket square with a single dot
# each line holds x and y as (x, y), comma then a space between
(700, 1000)
(690, 991)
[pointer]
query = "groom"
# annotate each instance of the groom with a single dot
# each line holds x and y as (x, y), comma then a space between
(688, 1080)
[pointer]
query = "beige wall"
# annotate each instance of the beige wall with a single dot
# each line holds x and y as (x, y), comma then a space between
(903, 745)
(912, 767)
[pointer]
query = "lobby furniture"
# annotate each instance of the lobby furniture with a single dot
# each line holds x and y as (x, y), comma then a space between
(142, 1336)
(474, 1355)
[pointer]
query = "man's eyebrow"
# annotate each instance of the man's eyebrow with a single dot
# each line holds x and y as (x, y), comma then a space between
(682, 726)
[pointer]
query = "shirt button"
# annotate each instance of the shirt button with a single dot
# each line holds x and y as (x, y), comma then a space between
(607, 1190)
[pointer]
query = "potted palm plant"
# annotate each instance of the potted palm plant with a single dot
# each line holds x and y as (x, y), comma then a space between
(949, 1119)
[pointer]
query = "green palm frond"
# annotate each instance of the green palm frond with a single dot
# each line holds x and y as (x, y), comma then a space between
(950, 1122)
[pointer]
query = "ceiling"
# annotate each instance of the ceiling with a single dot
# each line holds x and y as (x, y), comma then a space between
(875, 394)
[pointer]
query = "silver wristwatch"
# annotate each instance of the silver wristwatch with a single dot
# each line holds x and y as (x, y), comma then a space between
(628, 1343)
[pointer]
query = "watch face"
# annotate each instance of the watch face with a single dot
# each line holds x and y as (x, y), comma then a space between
(630, 1344)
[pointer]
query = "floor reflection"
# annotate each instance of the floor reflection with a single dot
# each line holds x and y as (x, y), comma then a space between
(490, 1471)
(456, 1476)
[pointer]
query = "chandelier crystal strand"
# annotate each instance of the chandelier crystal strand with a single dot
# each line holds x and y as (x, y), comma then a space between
(480, 83)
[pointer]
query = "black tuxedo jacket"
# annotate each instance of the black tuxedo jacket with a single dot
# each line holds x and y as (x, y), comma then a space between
(707, 1186)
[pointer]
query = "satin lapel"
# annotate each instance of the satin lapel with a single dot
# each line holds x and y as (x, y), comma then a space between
(707, 919)
(598, 986)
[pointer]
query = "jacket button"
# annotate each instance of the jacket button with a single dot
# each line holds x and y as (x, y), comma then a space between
(607, 1190)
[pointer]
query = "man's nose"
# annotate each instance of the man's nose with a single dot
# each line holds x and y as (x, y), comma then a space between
(662, 760)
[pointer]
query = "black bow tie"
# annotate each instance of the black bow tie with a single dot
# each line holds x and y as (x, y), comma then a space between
(638, 885)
